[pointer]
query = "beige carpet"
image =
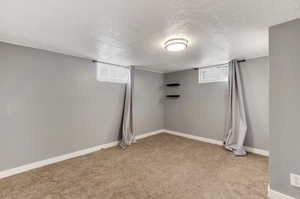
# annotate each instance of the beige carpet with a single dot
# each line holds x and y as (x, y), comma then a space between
(161, 166)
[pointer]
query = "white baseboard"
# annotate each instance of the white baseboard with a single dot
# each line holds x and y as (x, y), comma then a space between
(108, 145)
(272, 194)
(60, 158)
(149, 134)
(194, 137)
(56, 159)
(213, 141)
(52, 160)
(257, 151)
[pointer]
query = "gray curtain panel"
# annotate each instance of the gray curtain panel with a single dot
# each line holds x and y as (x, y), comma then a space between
(127, 131)
(236, 127)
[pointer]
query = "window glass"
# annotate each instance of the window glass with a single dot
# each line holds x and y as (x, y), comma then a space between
(110, 73)
(213, 74)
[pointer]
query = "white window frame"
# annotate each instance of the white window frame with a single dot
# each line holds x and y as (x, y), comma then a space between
(111, 73)
(200, 81)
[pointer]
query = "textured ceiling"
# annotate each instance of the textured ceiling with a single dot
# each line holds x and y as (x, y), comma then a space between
(132, 32)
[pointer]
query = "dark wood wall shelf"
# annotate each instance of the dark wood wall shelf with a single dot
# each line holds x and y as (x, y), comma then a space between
(172, 90)
(172, 96)
(172, 84)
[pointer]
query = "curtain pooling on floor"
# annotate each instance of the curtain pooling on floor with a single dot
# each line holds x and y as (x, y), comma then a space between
(236, 125)
(127, 130)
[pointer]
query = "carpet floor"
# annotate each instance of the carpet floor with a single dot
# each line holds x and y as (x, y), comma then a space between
(160, 166)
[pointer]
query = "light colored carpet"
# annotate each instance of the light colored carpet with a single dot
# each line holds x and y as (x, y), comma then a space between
(161, 166)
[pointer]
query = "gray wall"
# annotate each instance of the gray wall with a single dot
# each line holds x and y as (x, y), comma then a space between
(51, 104)
(284, 106)
(201, 109)
(255, 77)
(148, 93)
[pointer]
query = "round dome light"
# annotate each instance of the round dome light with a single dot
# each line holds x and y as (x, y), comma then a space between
(175, 45)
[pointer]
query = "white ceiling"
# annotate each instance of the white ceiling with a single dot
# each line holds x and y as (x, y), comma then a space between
(131, 32)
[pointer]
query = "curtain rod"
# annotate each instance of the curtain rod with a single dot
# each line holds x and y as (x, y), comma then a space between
(118, 65)
(108, 63)
(242, 60)
(239, 61)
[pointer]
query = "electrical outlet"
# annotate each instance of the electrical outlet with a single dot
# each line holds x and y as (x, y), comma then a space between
(295, 180)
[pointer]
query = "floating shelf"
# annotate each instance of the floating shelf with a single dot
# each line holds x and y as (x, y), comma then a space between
(172, 96)
(173, 84)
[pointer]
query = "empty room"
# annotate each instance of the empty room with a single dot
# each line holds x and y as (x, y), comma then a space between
(140, 99)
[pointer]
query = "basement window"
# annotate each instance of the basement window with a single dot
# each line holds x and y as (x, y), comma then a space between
(110, 73)
(213, 74)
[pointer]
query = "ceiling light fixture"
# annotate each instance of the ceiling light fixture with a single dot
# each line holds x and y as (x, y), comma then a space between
(175, 45)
